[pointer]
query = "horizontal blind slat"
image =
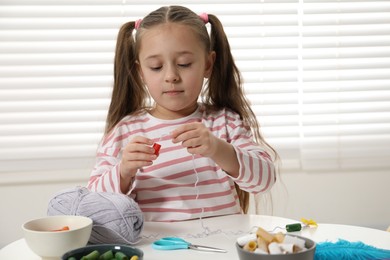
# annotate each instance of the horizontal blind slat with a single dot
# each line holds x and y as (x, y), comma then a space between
(48, 82)
(54, 94)
(150, 3)
(318, 83)
(55, 11)
(94, 125)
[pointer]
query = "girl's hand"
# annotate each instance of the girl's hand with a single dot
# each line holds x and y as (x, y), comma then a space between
(196, 138)
(137, 154)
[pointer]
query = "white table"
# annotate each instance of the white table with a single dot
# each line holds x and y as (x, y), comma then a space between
(223, 232)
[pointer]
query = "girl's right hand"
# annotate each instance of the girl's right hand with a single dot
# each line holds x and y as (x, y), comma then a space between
(137, 154)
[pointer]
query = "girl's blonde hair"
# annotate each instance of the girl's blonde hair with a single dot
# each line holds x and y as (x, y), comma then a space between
(224, 88)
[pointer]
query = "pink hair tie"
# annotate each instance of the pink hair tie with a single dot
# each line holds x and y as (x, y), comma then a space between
(204, 17)
(137, 23)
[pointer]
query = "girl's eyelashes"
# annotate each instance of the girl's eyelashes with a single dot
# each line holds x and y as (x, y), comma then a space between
(156, 68)
(186, 65)
(182, 65)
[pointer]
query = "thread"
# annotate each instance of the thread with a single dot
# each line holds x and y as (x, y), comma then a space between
(205, 229)
(116, 217)
(228, 234)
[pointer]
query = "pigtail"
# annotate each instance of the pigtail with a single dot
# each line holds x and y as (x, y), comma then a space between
(224, 70)
(225, 84)
(225, 90)
(128, 94)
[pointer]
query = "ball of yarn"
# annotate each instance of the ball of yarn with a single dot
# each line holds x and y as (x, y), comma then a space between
(116, 217)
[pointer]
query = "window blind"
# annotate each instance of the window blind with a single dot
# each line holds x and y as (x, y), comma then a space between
(317, 74)
(345, 90)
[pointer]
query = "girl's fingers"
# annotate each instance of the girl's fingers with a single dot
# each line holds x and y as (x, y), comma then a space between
(140, 144)
(193, 142)
(141, 140)
(137, 156)
(186, 132)
(138, 153)
(139, 148)
(185, 128)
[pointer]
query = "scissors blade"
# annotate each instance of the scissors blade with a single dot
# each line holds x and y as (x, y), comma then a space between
(206, 248)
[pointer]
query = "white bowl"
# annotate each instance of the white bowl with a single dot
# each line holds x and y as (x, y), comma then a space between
(49, 244)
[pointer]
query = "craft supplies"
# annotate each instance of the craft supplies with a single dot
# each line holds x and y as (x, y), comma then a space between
(268, 242)
(294, 227)
(156, 148)
(116, 217)
(173, 243)
(264, 242)
(104, 252)
(64, 228)
(309, 222)
(343, 249)
(108, 255)
(243, 240)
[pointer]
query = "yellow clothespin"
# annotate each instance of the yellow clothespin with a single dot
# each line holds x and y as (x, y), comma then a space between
(309, 222)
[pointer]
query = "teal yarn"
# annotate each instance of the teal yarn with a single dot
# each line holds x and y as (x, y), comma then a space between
(117, 218)
(346, 250)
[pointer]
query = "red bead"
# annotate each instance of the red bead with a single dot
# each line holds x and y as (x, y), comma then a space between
(156, 147)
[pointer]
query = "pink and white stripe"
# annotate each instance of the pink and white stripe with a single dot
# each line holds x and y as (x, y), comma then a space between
(166, 190)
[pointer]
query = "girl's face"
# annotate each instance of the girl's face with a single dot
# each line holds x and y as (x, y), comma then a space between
(173, 64)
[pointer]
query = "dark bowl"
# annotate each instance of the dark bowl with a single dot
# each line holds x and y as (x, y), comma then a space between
(308, 254)
(102, 248)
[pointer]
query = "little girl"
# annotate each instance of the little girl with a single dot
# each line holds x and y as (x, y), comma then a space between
(178, 86)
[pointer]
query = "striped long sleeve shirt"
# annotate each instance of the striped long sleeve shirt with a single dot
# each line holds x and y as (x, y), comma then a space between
(179, 185)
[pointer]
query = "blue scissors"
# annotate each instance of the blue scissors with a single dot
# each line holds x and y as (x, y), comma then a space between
(172, 243)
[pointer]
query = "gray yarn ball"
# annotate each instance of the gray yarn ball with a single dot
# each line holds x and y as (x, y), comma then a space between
(116, 217)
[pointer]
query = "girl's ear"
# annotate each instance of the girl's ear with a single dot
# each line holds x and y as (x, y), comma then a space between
(210, 59)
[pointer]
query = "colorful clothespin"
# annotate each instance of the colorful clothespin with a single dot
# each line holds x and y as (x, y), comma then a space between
(309, 222)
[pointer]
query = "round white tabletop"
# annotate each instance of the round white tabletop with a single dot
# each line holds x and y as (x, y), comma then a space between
(222, 232)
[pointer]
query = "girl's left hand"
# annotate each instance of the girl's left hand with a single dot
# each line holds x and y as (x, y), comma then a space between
(197, 138)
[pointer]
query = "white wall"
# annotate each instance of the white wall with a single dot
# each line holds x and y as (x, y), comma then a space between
(350, 198)
(353, 198)
(25, 196)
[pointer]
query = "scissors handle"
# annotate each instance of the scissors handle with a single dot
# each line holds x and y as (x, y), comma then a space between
(206, 248)
(163, 246)
(170, 243)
